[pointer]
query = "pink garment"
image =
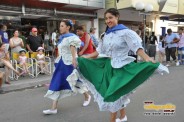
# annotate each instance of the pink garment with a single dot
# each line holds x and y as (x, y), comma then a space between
(39, 58)
(22, 59)
(181, 42)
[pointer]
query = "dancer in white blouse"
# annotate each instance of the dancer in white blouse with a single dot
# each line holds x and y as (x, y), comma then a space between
(65, 63)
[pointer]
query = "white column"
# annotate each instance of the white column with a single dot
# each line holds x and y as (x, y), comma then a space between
(96, 25)
(88, 26)
(157, 25)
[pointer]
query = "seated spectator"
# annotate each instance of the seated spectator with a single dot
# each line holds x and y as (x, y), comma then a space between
(23, 61)
(5, 61)
(41, 60)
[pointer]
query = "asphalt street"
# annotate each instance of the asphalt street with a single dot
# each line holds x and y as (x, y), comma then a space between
(27, 105)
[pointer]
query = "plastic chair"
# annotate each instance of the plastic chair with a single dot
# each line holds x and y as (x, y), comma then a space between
(30, 66)
(37, 66)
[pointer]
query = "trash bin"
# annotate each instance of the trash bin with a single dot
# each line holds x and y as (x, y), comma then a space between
(152, 50)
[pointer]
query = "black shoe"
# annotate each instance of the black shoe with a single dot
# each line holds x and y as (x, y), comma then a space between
(7, 82)
(1, 91)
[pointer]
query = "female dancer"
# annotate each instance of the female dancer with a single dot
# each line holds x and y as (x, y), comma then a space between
(65, 64)
(115, 77)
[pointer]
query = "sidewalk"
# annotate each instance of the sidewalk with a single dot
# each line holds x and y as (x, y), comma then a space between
(26, 82)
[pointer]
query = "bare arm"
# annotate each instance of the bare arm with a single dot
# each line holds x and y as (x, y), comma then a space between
(19, 59)
(22, 43)
(92, 55)
(37, 57)
(176, 40)
(11, 43)
(141, 53)
(43, 45)
(7, 56)
(74, 52)
(29, 49)
(93, 44)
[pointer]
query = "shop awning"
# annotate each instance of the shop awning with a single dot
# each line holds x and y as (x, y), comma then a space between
(37, 8)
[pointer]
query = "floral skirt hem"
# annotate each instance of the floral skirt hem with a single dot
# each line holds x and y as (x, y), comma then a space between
(56, 95)
(111, 87)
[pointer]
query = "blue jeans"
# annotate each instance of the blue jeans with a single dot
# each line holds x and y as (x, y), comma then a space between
(181, 53)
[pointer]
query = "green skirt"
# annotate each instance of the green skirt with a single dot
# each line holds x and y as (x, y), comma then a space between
(110, 84)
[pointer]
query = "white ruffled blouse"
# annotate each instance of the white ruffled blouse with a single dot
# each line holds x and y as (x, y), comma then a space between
(117, 45)
(64, 51)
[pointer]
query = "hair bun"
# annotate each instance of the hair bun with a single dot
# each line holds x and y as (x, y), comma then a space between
(70, 21)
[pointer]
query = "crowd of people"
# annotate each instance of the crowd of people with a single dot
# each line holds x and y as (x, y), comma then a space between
(169, 45)
(103, 68)
(110, 78)
(18, 43)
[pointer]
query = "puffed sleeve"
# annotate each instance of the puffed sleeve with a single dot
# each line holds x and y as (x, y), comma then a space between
(75, 41)
(99, 48)
(133, 40)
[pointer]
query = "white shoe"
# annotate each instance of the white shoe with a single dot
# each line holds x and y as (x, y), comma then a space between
(86, 103)
(177, 63)
(122, 120)
(167, 65)
(50, 111)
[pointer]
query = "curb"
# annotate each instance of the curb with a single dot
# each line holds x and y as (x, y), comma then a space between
(23, 84)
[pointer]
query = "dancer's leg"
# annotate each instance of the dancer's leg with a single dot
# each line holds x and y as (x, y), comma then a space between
(54, 105)
(9, 65)
(86, 96)
(7, 73)
(53, 109)
(113, 117)
(122, 113)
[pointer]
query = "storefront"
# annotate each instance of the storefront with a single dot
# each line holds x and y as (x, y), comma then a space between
(46, 15)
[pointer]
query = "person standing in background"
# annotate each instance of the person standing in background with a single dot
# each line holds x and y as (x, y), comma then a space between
(4, 36)
(93, 37)
(16, 43)
(53, 38)
(34, 41)
(171, 40)
(88, 44)
(46, 42)
(22, 36)
(161, 49)
(54, 42)
(152, 45)
(180, 48)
